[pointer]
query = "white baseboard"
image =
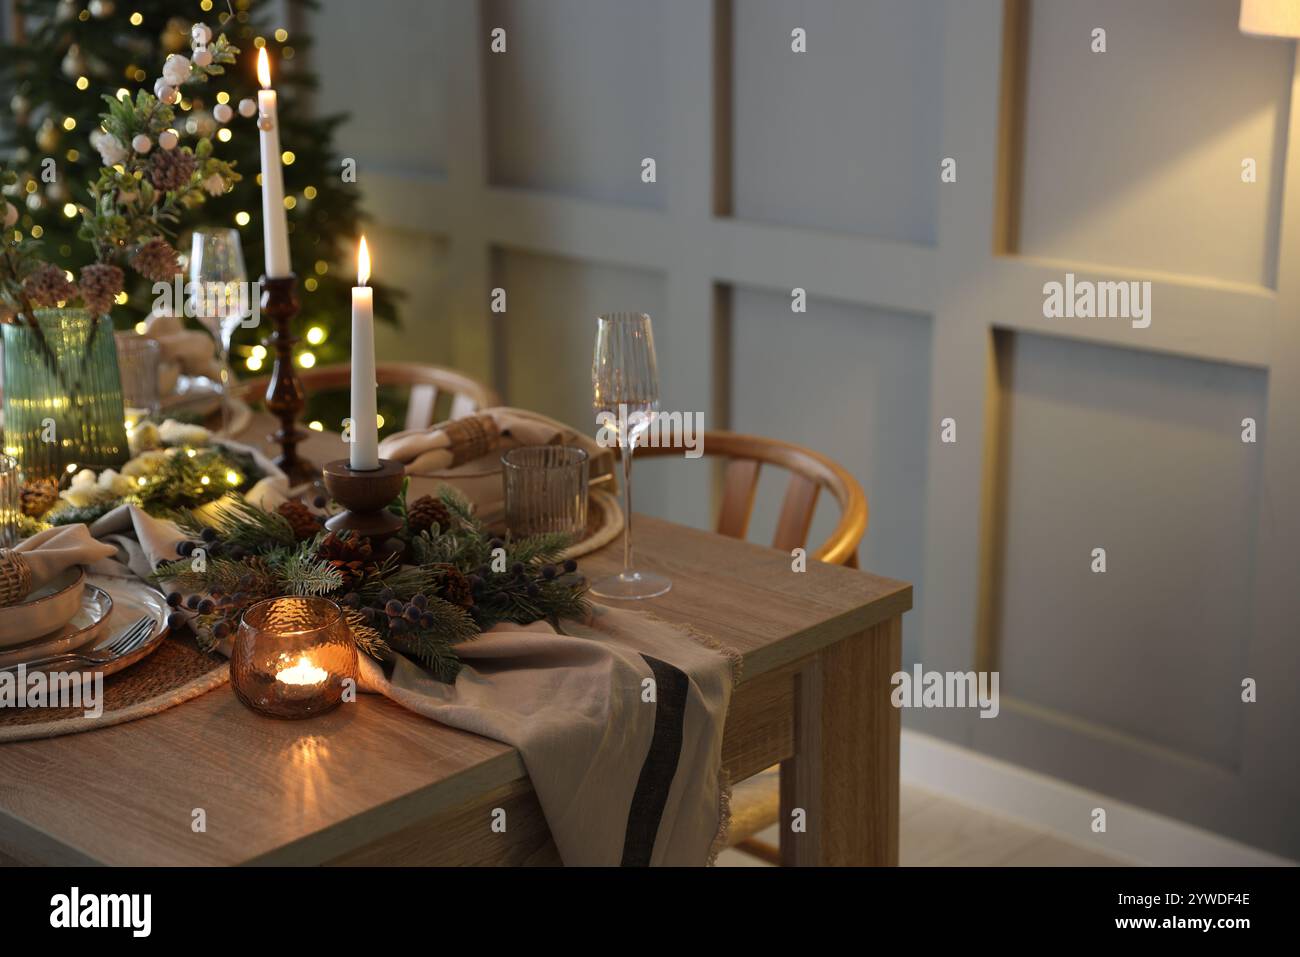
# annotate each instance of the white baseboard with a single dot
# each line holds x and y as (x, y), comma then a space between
(1049, 804)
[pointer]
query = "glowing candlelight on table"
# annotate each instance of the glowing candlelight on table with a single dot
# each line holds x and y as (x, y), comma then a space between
(365, 420)
(275, 227)
(302, 678)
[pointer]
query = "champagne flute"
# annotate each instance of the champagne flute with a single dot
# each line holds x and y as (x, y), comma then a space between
(625, 389)
(220, 295)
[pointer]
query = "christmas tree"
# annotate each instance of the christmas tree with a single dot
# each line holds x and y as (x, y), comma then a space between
(69, 53)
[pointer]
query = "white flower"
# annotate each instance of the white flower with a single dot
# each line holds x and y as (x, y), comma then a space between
(82, 497)
(177, 69)
(83, 479)
(11, 215)
(202, 57)
(200, 35)
(181, 433)
(111, 150)
(115, 483)
(215, 185)
(143, 438)
(146, 463)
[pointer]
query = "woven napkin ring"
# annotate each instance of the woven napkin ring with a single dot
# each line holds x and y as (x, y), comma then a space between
(472, 437)
(15, 577)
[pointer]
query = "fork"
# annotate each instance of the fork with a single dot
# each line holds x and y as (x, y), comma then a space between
(128, 641)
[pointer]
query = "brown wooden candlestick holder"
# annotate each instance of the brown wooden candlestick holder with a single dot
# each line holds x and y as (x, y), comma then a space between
(365, 495)
(285, 396)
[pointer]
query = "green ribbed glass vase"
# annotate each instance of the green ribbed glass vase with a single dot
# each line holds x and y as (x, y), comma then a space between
(63, 394)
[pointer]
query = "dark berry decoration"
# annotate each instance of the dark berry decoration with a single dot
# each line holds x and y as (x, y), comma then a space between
(496, 543)
(387, 595)
(517, 568)
(319, 501)
(532, 590)
(221, 630)
(209, 535)
(207, 606)
(175, 621)
(174, 599)
(570, 566)
(420, 601)
(192, 603)
(426, 620)
(548, 572)
(411, 614)
(393, 608)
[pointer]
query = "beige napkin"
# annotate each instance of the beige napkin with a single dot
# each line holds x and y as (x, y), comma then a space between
(424, 451)
(184, 351)
(55, 550)
(621, 779)
(436, 452)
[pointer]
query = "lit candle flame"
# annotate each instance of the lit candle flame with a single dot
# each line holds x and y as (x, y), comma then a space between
(363, 263)
(263, 69)
(302, 673)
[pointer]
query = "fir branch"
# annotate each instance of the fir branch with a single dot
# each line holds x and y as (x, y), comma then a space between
(368, 640)
(300, 573)
(538, 549)
(238, 522)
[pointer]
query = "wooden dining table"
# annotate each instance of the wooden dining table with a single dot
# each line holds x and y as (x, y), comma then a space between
(372, 783)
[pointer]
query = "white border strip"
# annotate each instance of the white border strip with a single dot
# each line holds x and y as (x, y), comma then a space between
(1132, 834)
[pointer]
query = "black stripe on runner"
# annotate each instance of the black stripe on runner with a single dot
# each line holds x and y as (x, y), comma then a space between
(651, 795)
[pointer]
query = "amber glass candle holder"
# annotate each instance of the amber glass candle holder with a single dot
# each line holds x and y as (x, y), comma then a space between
(293, 657)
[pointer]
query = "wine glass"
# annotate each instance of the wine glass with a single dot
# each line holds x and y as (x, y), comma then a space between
(220, 295)
(625, 389)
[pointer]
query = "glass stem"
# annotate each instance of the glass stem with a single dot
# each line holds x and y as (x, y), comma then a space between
(627, 504)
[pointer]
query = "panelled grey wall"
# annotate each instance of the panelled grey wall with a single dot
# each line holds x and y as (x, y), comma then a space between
(820, 170)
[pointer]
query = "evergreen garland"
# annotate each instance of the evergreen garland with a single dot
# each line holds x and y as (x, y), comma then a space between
(459, 581)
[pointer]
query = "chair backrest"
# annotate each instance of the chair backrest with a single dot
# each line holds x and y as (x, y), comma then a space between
(426, 382)
(810, 472)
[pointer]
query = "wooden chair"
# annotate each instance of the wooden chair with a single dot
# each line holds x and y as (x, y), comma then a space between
(755, 803)
(426, 382)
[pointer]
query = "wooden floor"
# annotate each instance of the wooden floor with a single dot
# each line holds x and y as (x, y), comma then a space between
(939, 832)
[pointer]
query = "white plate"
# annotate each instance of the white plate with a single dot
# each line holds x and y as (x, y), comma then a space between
(85, 626)
(132, 600)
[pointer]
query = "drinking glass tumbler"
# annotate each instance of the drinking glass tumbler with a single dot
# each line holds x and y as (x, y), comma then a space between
(545, 490)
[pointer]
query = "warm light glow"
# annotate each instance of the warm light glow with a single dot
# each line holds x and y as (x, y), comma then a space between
(259, 352)
(287, 157)
(241, 218)
(316, 425)
(379, 421)
(205, 480)
(263, 69)
(232, 477)
(224, 135)
(72, 468)
(1269, 18)
(363, 263)
(121, 299)
(307, 360)
(140, 327)
(302, 673)
(315, 335)
(253, 363)
(137, 19)
(69, 123)
(83, 83)
(70, 210)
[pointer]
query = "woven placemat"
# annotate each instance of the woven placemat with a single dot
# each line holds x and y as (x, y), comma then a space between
(178, 671)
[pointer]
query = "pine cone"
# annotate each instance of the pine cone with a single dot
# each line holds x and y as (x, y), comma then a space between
(456, 588)
(171, 169)
(100, 284)
(425, 511)
(156, 260)
(38, 496)
(350, 554)
(48, 286)
(302, 520)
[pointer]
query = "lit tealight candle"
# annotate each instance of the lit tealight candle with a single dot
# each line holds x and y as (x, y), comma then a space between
(301, 679)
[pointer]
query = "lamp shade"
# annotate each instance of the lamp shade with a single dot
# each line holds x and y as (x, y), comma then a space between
(1270, 18)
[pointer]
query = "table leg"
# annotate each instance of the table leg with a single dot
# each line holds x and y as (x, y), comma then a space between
(844, 775)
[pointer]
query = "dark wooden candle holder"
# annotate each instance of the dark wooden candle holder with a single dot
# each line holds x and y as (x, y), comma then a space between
(285, 396)
(365, 495)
